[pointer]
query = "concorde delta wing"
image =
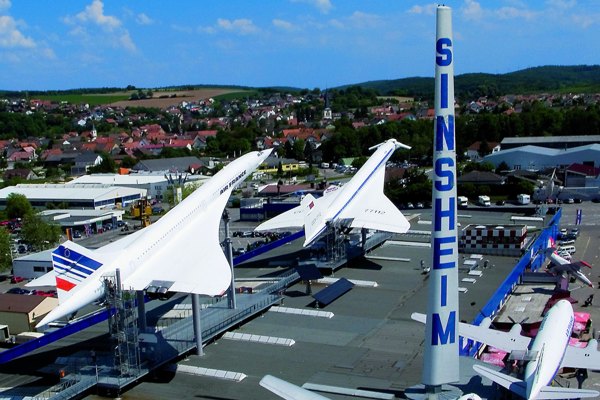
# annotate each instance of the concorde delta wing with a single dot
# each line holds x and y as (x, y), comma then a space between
(371, 209)
(381, 214)
(293, 218)
(193, 260)
(586, 357)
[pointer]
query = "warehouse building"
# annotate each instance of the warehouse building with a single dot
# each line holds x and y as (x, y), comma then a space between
(551, 142)
(536, 158)
(155, 184)
(87, 196)
(33, 265)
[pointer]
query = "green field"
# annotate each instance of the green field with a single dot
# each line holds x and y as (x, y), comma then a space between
(91, 99)
(236, 95)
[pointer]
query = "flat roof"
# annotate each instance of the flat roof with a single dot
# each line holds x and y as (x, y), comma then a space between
(131, 179)
(57, 192)
(45, 255)
(551, 139)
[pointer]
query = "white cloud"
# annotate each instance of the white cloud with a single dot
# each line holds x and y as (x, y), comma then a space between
(512, 12)
(242, 26)
(143, 19)
(585, 21)
(472, 10)
(285, 25)
(207, 29)
(11, 36)
(95, 13)
(561, 4)
(359, 19)
(322, 5)
(4, 5)
(428, 9)
(336, 23)
(126, 42)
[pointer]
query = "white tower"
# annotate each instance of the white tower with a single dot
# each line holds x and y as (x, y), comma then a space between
(441, 364)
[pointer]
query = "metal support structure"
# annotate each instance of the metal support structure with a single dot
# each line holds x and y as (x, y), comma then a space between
(363, 239)
(123, 326)
(141, 306)
(197, 323)
(229, 255)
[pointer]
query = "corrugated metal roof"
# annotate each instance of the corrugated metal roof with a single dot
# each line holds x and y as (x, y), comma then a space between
(551, 139)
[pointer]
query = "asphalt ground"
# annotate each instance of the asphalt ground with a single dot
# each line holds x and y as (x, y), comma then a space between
(370, 343)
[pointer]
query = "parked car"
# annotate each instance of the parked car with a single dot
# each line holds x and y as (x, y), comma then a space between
(76, 234)
(18, 290)
(575, 231)
(157, 210)
(500, 202)
(17, 279)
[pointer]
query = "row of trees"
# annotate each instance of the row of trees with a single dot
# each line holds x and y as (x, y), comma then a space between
(35, 231)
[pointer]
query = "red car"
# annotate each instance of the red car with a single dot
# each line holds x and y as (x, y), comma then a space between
(16, 279)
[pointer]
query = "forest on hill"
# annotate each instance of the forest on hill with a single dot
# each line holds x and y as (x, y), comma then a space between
(554, 79)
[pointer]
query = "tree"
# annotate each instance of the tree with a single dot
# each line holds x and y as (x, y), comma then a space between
(5, 250)
(38, 233)
(17, 206)
(107, 165)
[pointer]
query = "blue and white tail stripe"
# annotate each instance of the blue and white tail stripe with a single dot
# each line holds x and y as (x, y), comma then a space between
(73, 265)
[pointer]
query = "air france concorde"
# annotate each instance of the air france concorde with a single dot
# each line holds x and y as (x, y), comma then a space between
(180, 251)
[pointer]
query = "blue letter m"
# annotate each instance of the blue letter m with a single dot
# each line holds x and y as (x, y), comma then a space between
(438, 334)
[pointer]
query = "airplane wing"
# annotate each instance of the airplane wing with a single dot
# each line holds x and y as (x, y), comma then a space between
(48, 279)
(288, 391)
(505, 341)
(291, 218)
(556, 392)
(511, 383)
(371, 209)
(582, 357)
(192, 261)
(380, 214)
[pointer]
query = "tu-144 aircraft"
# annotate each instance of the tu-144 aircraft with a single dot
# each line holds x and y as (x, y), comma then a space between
(360, 203)
(178, 253)
(560, 265)
(547, 353)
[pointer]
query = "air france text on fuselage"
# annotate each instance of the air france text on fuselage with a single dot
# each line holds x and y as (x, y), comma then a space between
(233, 182)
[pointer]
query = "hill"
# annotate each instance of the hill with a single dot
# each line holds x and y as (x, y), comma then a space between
(562, 79)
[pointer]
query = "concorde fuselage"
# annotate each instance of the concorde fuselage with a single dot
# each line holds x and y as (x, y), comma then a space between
(128, 254)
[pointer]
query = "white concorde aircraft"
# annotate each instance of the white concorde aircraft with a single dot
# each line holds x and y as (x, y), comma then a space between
(548, 352)
(360, 203)
(560, 265)
(178, 253)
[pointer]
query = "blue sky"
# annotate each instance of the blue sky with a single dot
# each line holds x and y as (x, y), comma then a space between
(65, 44)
